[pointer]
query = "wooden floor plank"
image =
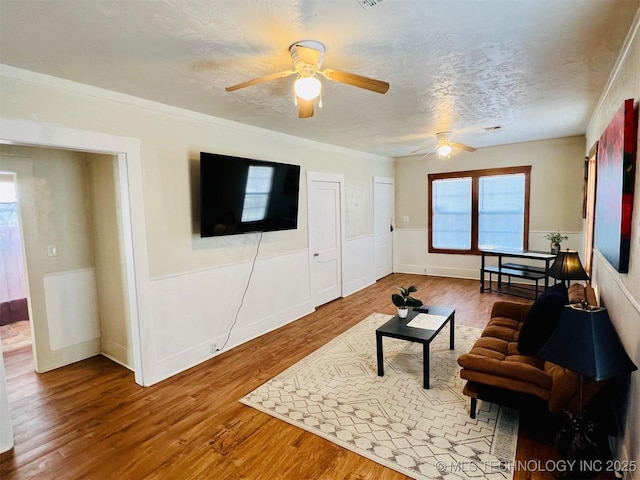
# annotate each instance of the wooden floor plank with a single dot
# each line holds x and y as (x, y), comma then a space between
(91, 421)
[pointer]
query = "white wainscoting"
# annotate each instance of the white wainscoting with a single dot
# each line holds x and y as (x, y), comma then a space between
(410, 245)
(412, 257)
(624, 311)
(359, 264)
(71, 301)
(193, 312)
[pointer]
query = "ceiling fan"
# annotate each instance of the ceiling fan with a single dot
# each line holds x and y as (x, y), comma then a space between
(445, 146)
(307, 56)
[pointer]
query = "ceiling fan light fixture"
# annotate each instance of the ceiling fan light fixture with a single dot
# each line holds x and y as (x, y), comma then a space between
(308, 88)
(307, 56)
(444, 150)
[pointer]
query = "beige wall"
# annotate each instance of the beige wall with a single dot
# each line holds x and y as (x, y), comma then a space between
(555, 204)
(620, 293)
(171, 143)
(107, 235)
(556, 180)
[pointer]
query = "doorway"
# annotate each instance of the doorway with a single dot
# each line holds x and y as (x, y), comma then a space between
(130, 202)
(383, 208)
(15, 328)
(72, 242)
(325, 217)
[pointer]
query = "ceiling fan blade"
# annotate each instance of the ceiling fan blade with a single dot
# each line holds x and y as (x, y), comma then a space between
(463, 147)
(432, 147)
(307, 55)
(305, 108)
(255, 81)
(359, 81)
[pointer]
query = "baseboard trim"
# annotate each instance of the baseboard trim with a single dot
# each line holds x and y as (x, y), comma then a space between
(115, 360)
(357, 285)
(410, 268)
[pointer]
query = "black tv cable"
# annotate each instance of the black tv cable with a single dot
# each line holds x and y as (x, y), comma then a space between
(246, 288)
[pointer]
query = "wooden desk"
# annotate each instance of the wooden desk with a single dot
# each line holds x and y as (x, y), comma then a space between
(522, 271)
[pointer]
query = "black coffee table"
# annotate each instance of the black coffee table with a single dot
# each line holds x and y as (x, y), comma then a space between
(397, 328)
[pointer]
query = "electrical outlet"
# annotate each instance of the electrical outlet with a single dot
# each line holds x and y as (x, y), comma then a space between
(214, 347)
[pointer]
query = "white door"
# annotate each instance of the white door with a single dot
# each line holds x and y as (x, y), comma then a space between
(325, 236)
(383, 206)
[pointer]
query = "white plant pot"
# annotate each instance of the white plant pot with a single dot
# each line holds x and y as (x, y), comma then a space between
(403, 312)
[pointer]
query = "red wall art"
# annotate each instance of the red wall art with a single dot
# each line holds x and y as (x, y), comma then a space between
(614, 192)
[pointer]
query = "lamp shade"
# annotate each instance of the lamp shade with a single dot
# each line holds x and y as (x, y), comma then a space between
(567, 266)
(444, 150)
(586, 342)
(307, 88)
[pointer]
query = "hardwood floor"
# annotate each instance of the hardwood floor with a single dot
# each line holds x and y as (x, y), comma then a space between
(90, 420)
(15, 335)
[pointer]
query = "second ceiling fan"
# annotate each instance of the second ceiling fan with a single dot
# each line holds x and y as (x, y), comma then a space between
(445, 146)
(307, 56)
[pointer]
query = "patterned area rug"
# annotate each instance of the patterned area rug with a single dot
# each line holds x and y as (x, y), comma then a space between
(425, 434)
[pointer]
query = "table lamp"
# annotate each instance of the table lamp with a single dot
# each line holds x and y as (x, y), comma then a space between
(585, 342)
(567, 267)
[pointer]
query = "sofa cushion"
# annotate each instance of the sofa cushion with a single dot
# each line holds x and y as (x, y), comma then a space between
(577, 293)
(495, 360)
(491, 358)
(514, 312)
(542, 319)
(506, 383)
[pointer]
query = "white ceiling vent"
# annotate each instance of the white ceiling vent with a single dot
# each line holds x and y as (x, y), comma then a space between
(367, 4)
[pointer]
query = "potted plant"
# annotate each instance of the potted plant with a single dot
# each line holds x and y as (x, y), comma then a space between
(403, 300)
(556, 239)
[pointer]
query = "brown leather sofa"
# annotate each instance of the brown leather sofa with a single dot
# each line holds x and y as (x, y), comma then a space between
(495, 365)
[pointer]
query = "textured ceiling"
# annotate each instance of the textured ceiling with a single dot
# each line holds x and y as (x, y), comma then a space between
(534, 67)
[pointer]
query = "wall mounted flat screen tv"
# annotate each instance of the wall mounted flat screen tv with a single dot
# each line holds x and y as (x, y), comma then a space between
(241, 195)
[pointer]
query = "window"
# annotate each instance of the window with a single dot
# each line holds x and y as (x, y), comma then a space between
(452, 213)
(7, 189)
(479, 209)
(257, 193)
(501, 211)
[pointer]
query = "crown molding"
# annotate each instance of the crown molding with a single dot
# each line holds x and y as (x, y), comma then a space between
(170, 110)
